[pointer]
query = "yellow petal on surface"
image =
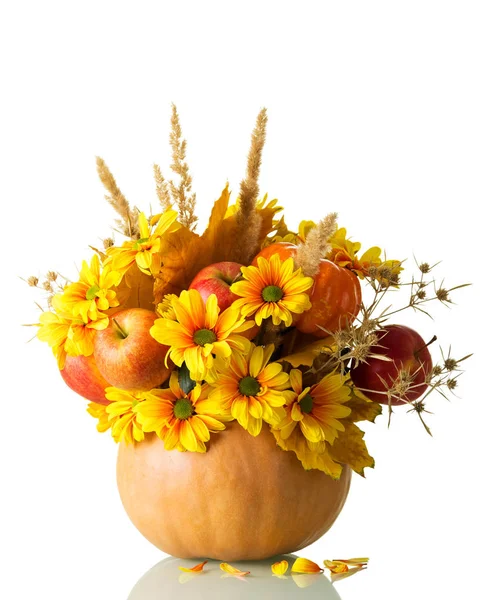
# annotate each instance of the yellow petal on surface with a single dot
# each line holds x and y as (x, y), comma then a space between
(196, 569)
(339, 568)
(232, 570)
(280, 568)
(303, 565)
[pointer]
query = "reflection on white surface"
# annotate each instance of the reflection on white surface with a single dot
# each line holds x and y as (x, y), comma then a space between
(165, 580)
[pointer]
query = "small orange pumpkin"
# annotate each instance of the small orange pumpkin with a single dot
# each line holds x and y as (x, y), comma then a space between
(244, 499)
(335, 296)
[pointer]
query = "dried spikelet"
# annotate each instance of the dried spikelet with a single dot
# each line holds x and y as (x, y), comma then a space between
(162, 188)
(248, 220)
(316, 245)
(182, 194)
(128, 223)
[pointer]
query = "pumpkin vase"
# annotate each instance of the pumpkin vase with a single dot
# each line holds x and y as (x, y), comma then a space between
(244, 499)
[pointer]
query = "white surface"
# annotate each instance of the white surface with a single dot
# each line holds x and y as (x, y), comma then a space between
(377, 110)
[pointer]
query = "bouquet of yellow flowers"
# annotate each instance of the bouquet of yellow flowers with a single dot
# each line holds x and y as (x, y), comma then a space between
(235, 364)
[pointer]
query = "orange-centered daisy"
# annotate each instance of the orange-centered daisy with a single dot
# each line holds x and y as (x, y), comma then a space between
(316, 410)
(251, 389)
(182, 421)
(199, 333)
(272, 289)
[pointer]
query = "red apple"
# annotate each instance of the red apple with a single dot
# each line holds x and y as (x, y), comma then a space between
(217, 279)
(409, 355)
(127, 355)
(81, 374)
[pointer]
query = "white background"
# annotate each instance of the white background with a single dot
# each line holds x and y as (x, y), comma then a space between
(377, 110)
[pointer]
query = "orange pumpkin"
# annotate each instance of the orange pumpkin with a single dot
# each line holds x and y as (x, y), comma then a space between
(335, 298)
(244, 499)
(283, 249)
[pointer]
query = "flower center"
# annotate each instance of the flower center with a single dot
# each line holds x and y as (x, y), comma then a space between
(92, 292)
(183, 408)
(272, 293)
(204, 336)
(306, 404)
(248, 386)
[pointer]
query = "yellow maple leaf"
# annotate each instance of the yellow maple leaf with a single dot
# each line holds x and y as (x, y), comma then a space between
(307, 354)
(362, 409)
(349, 448)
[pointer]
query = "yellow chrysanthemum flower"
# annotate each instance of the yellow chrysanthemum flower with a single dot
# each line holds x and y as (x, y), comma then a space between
(316, 410)
(165, 308)
(344, 252)
(98, 411)
(92, 293)
(313, 421)
(182, 421)
(250, 389)
(122, 417)
(283, 234)
(145, 252)
(54, 329)
(199, 332)
(272, 289)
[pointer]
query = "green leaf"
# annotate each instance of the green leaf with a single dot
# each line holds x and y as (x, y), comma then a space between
(184, 379)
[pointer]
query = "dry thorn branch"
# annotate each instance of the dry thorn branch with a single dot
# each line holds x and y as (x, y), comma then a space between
(182, 194)
(248, 220)
(118, 201)
(316, 246)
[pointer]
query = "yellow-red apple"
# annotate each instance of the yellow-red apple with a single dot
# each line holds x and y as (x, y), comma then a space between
(217, 279)
(81, 374)
(127, 355)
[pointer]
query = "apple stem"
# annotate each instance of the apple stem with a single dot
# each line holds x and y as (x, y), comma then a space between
(417, 352)
(121, 331)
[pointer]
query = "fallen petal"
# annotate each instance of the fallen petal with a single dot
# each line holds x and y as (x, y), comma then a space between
(303, 565)
(232, 570)
(280, 568)
(196, 569)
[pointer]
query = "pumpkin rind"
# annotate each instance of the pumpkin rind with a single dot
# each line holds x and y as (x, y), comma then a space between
(244, 499)
(335, 298)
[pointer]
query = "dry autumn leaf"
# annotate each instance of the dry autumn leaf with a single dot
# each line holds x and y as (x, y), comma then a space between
(349, 448)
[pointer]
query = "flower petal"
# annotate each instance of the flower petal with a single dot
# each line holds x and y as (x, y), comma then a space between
(196, 569)
(303, 565)
(232, 570)
(280, 568)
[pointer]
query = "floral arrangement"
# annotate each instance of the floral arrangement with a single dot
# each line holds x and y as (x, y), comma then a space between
(178, 333)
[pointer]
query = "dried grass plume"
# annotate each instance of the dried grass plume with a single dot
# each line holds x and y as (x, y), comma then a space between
(316, 245)
(182, 194)
(248, 220)
(162, 188)
(128, 221)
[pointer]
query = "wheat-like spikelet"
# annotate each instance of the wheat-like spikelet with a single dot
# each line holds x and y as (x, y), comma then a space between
(128, 222)
(248, 220)
(182, 194)
(162, 188)
(316, 245)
